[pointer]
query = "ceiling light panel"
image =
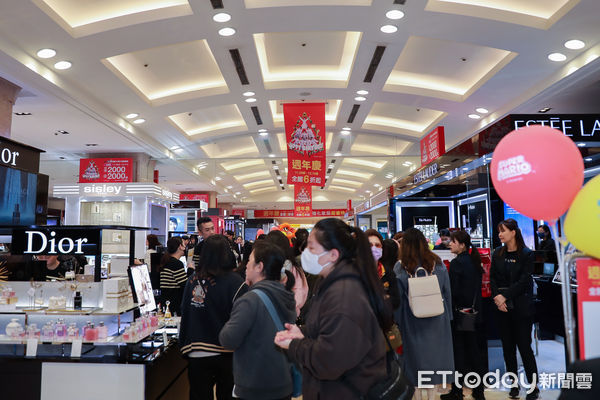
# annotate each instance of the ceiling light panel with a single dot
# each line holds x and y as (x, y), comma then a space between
(158, 78)
(354, 173)
(340, 188)
(346, 182)
(444, 69)
(306, 59)
(258, 183)
(210, 122)
(332, 107)
(239, 164)
(540, 14)
(239, 146)
(387, 117)
(360, 162)
(86, 17)
(297, 3)
(378, 144)
(262, 190)
(252, 175)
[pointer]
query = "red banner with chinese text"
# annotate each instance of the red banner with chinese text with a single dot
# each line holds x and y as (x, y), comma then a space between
(433, 145)
(305, 139)
(336, 212)
(93, 170)
(588, 305)
(302, 200)
(205, 197)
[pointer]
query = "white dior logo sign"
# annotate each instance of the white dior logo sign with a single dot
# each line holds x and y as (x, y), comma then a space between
(9, 157)
(102, 189)
(64, 245)
(513, 167)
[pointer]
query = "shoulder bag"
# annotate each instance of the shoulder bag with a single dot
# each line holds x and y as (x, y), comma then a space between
(424, 295)
(296, 375)
(465, 318)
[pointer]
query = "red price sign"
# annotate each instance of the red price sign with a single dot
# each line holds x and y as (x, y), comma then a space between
(93, 170)
(433, 145)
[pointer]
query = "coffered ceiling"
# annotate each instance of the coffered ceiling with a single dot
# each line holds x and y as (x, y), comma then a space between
(209, 99)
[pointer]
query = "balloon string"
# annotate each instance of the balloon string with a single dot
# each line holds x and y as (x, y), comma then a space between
(567, 299)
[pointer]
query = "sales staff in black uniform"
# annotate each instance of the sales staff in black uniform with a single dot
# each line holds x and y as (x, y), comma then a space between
(512, 290)
(465, 285)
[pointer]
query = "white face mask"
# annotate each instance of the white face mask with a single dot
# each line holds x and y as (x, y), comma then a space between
(310, 262)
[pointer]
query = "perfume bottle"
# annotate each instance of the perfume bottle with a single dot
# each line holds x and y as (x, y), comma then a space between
(91, 333)
(33, 332)
(48, 332)
(16, 219)
(60, 330)
(153, 320)
(77, 301)
(102, 331)
(72, 332)
(168, 312)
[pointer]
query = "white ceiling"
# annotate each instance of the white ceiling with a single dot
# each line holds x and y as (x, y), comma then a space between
(166, 61)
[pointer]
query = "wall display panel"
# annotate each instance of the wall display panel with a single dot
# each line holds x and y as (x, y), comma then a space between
(18, 197)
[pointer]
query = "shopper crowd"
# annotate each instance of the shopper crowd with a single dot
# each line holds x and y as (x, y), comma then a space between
(331, 311)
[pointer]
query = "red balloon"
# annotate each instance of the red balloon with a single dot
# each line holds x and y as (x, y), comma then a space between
(538, 171)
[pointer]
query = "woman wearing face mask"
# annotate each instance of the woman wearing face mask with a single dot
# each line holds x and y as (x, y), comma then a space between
(512, 290)
(546, 241)
(385, 253)
(172, 275)
(465, 284)
(341, 348)
(260, 370)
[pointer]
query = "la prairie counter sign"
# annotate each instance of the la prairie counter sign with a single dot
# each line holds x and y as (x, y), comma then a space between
(54, 242)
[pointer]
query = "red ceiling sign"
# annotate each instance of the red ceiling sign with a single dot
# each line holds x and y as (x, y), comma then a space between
(337, 212)
(93, 170)
(305, 138)
(433, 145)
(194, 197)
(302, 200)
(240, 213)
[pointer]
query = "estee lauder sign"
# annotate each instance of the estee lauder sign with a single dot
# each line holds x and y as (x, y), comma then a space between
(579, 127)
(47, 241)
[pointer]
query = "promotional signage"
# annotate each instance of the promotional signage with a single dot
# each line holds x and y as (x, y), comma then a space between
(579, 127)
(115, 189)
(194, 197)
(17, 155)
(426, 173)
(105, 170)
(305, 138)
(290, 213)
(486, 263)
(48, 241)
(588, 304)
(433, 145)
(424, 220)
(302, 200)
(239, 213)
(349, 205)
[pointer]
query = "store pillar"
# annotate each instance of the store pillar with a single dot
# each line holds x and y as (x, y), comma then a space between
(8, 95)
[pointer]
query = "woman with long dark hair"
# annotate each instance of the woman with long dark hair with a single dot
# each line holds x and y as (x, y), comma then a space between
(512, 290)
(385, 254)
(260, 370)
(172, 275)
(465, 283)
(427, 342)
(341, 348)
(207, 303)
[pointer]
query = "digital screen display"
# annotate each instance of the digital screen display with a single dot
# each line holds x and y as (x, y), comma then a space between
(525, 224)
(548, 269)
(18, 197)
(177, 223)
(143, 288)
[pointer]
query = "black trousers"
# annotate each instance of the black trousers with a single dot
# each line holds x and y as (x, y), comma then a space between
(206, 372)
(467, 355)
(515, 332)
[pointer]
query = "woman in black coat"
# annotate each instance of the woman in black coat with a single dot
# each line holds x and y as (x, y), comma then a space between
(512, 290)
(465, 285)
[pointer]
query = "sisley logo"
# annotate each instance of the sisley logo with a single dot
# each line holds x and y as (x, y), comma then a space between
(102, 189)
(513, 167)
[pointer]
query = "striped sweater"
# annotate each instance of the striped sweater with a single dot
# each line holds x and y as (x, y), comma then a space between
(172, 283)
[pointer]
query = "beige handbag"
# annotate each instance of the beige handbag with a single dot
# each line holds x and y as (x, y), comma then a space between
(424, 295)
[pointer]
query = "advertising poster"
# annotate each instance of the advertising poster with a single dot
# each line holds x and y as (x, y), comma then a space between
(525, 224)
(588, 303)
(302, 200)
(17, 199)
(305, 138)
(433, 145)
(93, 170)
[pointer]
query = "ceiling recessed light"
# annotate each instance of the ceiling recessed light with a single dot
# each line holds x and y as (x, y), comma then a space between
(367, 191)
(227, 32)
(345, 133)
(360, 98)
(63, 65)
(91, 144)
(580, 144)
(338, 154)
(63, 132)
(557, 57)
(238, 193)
(346, 128)
(264, 134)
(132, 115)
(221, 17)
(20, 114)
(139, 121)
(588, 159)
(574, 44)
(394, 14)
(482, 110)
(218, 178)
(272, 155)
(248, 94)
(545, 109)
(362, 92)
(250, 100)
(46, 53)
(388, 29)
(230, 187)
(62, 158)
(262, 130)
(474, 116)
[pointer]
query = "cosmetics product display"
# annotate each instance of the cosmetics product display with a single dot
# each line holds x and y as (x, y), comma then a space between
(57, 303)
(14, 329)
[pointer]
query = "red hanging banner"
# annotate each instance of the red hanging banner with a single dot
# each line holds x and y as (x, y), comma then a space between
(93, 170)
(302, 200)
(305, 137)
(433, 145)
